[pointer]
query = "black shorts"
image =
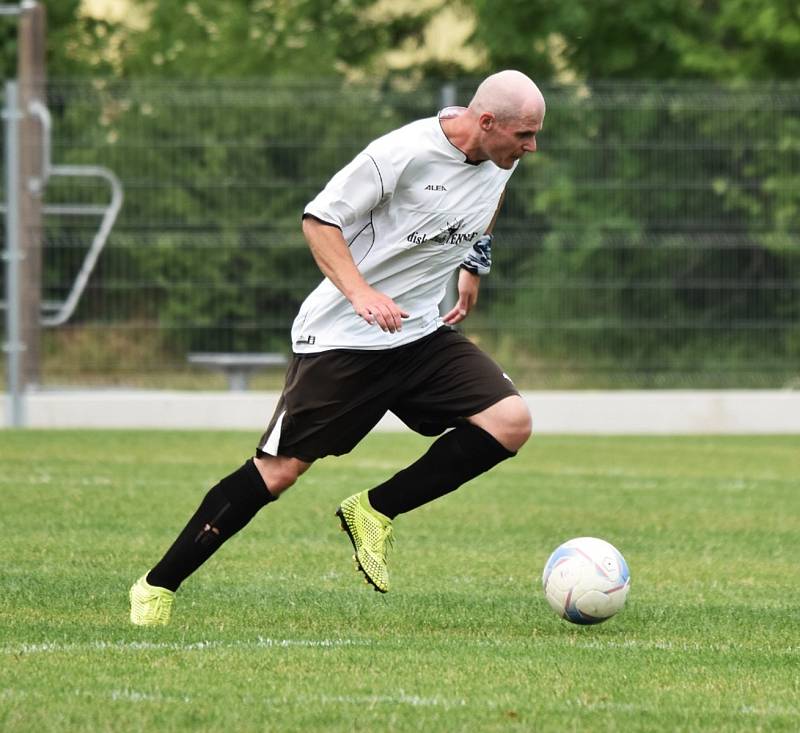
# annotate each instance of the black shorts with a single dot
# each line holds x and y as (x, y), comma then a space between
(331, 400)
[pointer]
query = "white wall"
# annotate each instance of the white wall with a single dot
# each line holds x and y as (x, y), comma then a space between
(620, 412)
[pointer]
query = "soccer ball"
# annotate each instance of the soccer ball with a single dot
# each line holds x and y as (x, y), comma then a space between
(586, 580)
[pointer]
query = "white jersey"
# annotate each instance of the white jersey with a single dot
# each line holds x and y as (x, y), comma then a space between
(409, 207)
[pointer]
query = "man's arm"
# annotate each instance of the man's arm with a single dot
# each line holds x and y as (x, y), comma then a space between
(469, 283)
(333, 257)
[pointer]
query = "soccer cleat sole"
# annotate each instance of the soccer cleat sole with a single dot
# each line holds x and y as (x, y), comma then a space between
(359, 566)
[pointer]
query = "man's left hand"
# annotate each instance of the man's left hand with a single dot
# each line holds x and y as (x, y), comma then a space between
(468, 285)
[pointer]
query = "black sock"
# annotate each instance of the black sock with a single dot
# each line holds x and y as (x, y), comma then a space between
(226, 508)
(455, 458)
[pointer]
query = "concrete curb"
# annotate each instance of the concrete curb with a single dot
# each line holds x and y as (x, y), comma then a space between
(589, 412)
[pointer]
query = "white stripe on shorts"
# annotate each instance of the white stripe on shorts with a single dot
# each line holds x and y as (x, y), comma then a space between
(273, 440)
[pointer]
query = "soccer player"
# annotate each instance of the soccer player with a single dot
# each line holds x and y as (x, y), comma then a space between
(387, 231)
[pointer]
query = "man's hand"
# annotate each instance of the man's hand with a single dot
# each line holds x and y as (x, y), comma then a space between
(333, 257)
(375, 307)
(468, 285)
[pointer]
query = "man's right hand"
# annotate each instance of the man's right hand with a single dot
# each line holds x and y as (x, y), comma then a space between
(333, 257)
(375, 307)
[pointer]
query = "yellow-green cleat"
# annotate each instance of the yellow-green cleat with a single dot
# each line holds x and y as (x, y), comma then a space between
(150, 605)
(371, 535)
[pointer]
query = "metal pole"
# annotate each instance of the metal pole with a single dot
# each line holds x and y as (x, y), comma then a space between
(31, 84)
(13, 346)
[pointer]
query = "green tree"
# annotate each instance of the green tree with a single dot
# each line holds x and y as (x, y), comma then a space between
(652, 200)
(74, 46)
(612, 224)
(219, 171)
(722, 40)
(248, 39)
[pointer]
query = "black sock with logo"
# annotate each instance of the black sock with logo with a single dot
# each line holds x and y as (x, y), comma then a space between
(226, 508)
(456, 457)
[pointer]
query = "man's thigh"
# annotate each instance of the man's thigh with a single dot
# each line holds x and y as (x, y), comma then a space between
(452, 380)
(329, 403)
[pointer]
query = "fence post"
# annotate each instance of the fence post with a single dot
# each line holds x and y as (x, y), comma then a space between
(31, 80)
(14, 347)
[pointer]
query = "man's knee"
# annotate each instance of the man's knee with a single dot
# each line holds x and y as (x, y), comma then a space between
(518, 425)
(508, 421)
(279, 472)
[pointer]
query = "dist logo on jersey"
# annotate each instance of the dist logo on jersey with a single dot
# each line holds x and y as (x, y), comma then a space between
(446, 235)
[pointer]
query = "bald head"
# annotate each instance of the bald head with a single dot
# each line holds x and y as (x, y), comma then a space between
(501, 122)
(508, 95)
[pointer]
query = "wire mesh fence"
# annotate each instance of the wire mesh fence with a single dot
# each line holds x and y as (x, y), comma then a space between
(652, 241)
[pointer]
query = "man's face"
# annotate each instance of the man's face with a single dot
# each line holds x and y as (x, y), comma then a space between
(506, 142)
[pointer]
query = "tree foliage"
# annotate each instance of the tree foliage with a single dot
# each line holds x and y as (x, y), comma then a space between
(75, 43)
(721, 40)
(693, 241)
(249, 39)
(610, 234)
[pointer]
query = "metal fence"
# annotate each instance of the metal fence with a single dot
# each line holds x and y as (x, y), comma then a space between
(652, 240)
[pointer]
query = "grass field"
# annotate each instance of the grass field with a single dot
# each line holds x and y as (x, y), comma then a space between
(277, 632)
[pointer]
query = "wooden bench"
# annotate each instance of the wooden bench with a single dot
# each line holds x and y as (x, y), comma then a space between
(238, 368)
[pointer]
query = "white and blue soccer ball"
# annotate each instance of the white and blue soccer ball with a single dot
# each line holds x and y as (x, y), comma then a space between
(586, 580)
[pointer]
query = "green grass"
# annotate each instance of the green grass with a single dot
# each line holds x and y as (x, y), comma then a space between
(277, 632)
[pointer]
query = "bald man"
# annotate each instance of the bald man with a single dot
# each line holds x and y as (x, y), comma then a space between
(387, 232)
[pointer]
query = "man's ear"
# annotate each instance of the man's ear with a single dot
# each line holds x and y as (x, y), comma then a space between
(486, 121)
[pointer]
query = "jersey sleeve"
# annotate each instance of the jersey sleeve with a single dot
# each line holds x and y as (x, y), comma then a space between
(352, 192)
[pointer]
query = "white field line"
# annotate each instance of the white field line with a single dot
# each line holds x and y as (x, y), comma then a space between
(669, 646)
(769, 710)
(127, 695)
(56, 647)
(625, 707)
(124, 695)
(136, 696)
(126, 646)
(401, 698)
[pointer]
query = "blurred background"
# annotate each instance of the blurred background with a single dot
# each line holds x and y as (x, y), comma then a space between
(651, 242)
